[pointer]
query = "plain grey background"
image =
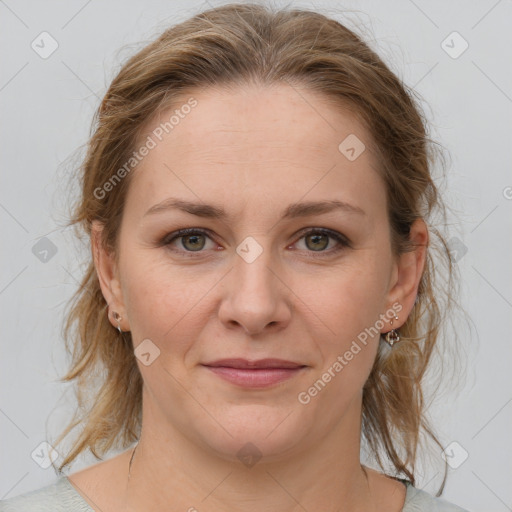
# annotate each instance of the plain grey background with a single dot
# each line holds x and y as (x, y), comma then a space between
(46, 110)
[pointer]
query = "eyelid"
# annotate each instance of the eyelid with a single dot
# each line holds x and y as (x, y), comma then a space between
(167, 239)
(342, 240)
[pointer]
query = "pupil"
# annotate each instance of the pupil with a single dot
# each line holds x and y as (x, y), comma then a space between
(316, 237)
(194, 241)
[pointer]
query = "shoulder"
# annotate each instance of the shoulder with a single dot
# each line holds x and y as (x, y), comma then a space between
(57, 497)
(417, 500)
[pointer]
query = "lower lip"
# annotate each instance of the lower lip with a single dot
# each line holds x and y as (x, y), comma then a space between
(254, 378)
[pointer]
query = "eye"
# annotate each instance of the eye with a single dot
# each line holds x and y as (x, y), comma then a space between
(192, 239)
(316, 240)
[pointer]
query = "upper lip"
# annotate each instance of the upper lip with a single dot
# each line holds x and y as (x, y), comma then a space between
(260, 363)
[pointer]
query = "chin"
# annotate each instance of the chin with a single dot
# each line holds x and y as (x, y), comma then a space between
(256, 433)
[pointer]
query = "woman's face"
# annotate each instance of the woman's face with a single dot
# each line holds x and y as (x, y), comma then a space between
(266, 278)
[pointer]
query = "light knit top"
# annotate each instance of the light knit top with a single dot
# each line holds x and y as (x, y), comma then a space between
(62, 496)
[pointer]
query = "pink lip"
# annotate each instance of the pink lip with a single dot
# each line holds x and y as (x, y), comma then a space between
(254, 374)
(256, 363)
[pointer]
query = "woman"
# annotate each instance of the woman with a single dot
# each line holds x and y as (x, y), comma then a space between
(261, 290)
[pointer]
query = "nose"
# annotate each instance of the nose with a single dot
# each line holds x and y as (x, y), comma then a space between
(255, 298)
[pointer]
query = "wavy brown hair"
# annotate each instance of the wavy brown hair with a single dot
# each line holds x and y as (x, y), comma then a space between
(236, 45)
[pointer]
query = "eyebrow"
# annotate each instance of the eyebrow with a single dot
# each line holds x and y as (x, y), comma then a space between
(294, 210)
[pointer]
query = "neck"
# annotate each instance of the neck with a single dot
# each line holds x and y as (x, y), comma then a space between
(168, 470)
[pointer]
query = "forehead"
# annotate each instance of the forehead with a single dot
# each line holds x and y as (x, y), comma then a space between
(259, 116)
(266, 141)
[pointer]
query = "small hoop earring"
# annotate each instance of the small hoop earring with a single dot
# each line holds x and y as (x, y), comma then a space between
(117, 317)
(392, 337)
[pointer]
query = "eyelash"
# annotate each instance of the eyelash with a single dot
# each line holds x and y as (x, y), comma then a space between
(343, 242)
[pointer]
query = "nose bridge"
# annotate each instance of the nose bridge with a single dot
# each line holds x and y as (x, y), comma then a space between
(253, 297)
(254, 257)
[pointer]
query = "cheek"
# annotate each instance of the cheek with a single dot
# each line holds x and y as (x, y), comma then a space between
(349, 304)
(351, 298)
(350, 309)
(165, 301)
(156, 298)
(168, 305)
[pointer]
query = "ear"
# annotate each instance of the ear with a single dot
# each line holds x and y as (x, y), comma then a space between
(108, 277)
(407, 274)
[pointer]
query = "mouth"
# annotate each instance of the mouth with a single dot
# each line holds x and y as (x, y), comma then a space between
(255, 374)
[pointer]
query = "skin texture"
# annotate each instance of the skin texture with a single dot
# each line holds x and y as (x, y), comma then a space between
(253, 151)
